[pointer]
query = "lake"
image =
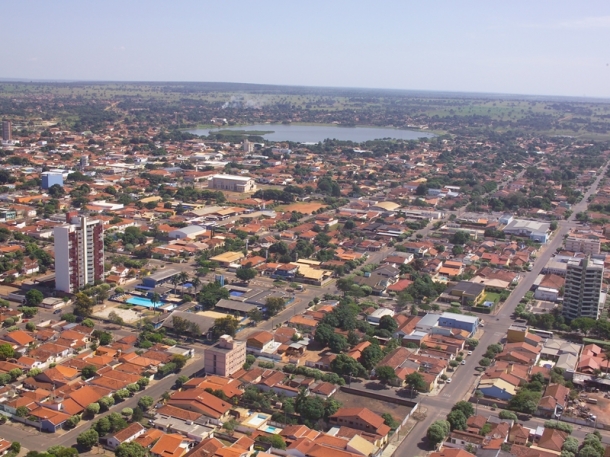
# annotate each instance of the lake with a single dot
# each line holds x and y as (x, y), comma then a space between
(316, 133)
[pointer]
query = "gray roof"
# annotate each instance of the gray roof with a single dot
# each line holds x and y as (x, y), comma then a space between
(529, 226)
(235, 305)
(163, 274)
(428, 320)
(460, 317)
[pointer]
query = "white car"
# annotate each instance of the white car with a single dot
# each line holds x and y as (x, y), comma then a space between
(448, 381)
(463, 362)
(469, 352)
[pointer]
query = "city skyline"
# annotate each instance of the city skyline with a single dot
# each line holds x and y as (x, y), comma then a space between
(475, 47)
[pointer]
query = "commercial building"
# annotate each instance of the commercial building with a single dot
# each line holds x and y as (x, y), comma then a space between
(50, 178)
(583, 288)
(535, 230)
(159, 277)
(7, 131)
(226, 357)
(191, 231)
(79, 254)
(232, 183)
(589, 245)
(459, 321)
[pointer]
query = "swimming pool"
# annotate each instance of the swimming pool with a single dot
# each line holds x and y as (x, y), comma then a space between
(271, 429)
(235, 293)
(141, 301)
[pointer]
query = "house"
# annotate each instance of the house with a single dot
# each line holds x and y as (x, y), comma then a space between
(551, 440)
(259, 341)
(171, 445)
(466, 291)
(554, 400)
(497, 388)
(449, 452)
(361, 419)
(200, 401)
(518, 434)
(126, 435)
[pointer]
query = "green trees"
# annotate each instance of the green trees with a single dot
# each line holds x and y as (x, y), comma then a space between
(388, 323)
(415, 381)
(145, 402)
(385, 373)
(323, 334)
(246, 273)
(88, 371)
(33, 297)
(6, 351)
(88, 439)
(92, 409)
(225, 326)
(438, 431)
(83, 305)
(345, 365)
(274, 305)
(563, 426)
(472, 343)
(338, 343)
(465, 407)
(508, 415)
(131, 450)
(525, 401)
(457, 420)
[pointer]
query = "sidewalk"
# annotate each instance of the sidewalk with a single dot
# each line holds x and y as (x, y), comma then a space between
(396, 440)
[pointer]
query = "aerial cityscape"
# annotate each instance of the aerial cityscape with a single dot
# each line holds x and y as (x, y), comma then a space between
(318, 259)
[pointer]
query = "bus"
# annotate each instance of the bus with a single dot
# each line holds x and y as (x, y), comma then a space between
(541, 333)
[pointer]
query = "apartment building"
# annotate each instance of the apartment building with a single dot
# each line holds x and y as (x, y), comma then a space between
(589, 245)
(226, 357)
(79, 254)
(7, 131)
(583, 288)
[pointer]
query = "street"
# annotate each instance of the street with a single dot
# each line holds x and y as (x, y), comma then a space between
(34, 440)
(495, 328)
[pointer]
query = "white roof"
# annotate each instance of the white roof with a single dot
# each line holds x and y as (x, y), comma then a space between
(233, 177)
(460, 317)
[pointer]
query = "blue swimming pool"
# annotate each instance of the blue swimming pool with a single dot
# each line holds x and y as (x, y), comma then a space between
(141, 301)
(235, 293)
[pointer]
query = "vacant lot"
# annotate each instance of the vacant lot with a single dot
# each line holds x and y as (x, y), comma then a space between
(302, 207)
(377, 406)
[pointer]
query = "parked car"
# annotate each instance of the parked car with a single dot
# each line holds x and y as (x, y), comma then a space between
(463, 362)
(57, 311)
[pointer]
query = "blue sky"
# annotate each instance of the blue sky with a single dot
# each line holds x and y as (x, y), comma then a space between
(525, 47)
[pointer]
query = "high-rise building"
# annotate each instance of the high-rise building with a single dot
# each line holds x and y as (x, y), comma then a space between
(583, 288)
(50, 178)
(7, 131)
(79, 253)
(84, 162)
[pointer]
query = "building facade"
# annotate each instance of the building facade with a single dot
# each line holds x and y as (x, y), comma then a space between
(79, 254)
(590, 245)
(226, 357)
(233, 183)
(50, 178)
(7, 131)
(583, 288)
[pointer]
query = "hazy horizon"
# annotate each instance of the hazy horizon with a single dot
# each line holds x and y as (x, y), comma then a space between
(543, 49)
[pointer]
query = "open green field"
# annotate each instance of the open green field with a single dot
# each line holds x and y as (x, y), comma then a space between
(192, 105)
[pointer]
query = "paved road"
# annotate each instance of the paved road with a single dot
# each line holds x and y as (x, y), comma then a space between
(34, 440)
(466, 376)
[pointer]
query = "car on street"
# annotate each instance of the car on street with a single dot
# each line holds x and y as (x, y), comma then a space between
(57, 311)
(469, 352)
(448, 381)
(463, 362)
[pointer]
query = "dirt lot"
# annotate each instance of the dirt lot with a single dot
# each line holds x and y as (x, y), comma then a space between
(602, 409)
(377, 406)
(302, 207)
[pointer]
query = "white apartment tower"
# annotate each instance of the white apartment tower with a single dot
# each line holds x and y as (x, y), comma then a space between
(79, 254)
(583, 288)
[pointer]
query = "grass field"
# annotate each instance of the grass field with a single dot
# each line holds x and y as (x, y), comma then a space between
(302, 207)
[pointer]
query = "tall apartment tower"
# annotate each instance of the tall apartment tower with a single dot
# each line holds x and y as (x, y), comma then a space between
(7, 131)
(79, 253)
(583, 288)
